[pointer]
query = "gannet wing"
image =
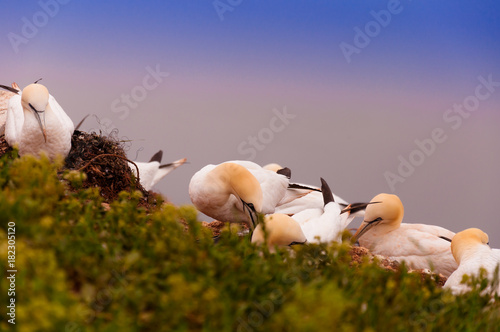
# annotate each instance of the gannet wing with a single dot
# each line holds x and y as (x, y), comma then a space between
(61, 115)
(165, 169)
(4, 105)
(14, 121)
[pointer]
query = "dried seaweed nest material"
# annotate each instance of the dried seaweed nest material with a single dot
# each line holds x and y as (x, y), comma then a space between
(104, 162)
(217, 226)
(4, 146)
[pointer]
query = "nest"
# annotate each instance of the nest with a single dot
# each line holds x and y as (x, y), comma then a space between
(105, 163)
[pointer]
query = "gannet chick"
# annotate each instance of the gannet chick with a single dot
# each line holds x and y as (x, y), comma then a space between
(419, 245)
(36, 123)
(281, 230)
(152, 172)
(471, 251)
(327, 223)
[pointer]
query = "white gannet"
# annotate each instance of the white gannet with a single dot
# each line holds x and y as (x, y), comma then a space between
(419, 245)
(36, 122)
(5, 96)
(235, 191)
(280, 231)
(472, 252)
(300, 196)
(152, 172)
(328, 222)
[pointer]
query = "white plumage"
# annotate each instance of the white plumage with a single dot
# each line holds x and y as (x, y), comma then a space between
(36, 123)
(225, 191)
(472, 252)
(419, 245)
(152, 172)
(325, 223)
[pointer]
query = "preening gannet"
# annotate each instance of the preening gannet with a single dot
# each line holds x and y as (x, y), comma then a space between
(235, 191)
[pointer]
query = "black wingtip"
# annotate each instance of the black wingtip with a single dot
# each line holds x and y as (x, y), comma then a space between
(327, 193)
(157, 157)
(299, 186)
(285, 171)
(445, 238)
(9, 88)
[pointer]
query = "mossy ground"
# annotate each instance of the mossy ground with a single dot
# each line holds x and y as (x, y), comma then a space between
(88, 266)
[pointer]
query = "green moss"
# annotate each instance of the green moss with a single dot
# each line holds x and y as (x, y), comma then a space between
(87, 266)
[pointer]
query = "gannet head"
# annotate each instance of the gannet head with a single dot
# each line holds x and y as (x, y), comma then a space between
(273, 167)
(35, 100)
(389, 211)
(241, 183)
(281, 231)
(467, 239)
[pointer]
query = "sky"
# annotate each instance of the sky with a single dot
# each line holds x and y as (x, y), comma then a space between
(382, 96)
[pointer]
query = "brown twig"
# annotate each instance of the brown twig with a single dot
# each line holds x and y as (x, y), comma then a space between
(111, 155)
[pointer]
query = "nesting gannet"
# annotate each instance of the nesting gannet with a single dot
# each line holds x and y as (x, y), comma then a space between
(472, 252)
(36, 122)
(326, 224)
(235, 191)
(280, 229)
(152, 172)
(419, 245)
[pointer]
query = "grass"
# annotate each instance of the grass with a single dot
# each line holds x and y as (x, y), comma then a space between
(86, 266)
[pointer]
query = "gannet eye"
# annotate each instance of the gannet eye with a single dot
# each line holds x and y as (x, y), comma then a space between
(378, 219)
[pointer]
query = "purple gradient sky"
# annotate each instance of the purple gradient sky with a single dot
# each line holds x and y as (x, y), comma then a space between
(352, 121)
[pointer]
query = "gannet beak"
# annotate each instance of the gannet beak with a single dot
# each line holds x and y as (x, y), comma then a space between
(13, 89)
(42, 127)
(251, 212)
(294, 243)
(363, 228)
(356, 207)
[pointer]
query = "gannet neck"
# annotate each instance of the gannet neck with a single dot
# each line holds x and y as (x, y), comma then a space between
(237, 180)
